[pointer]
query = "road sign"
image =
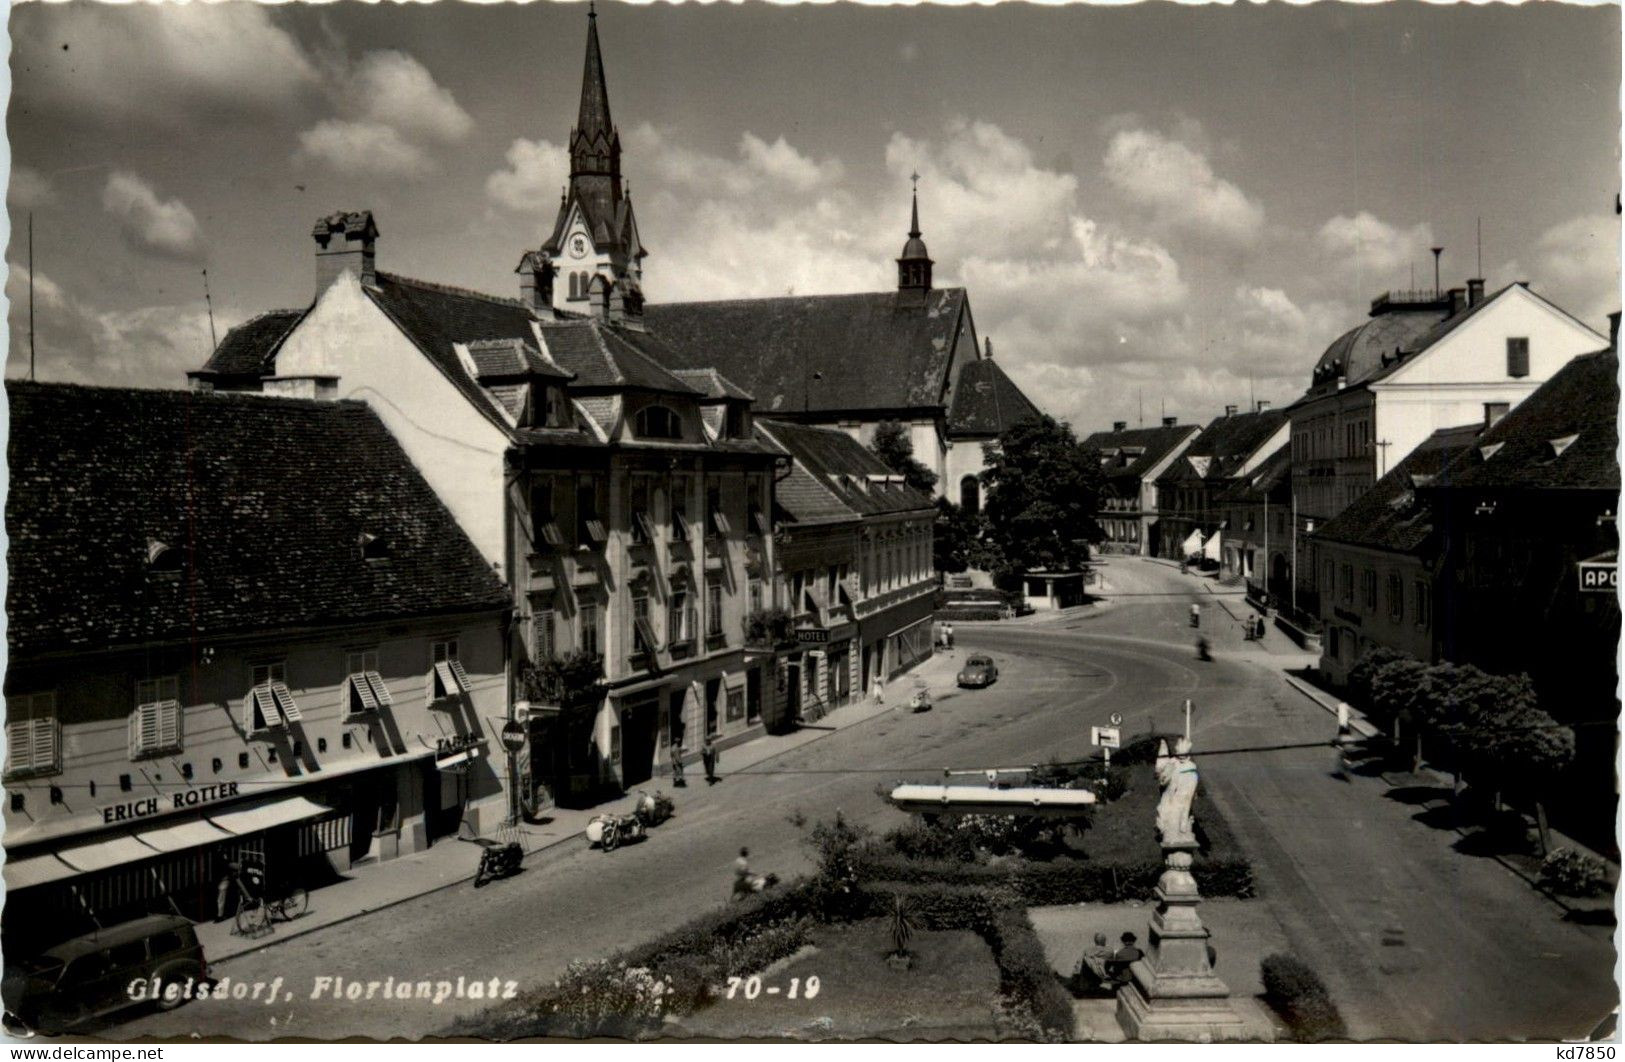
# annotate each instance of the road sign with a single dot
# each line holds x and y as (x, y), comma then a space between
(513, 736)
(1108, 737)
(1117, 720)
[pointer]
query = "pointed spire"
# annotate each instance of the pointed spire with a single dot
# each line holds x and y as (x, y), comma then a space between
(914, 264)
(594, 117)
(914, 221)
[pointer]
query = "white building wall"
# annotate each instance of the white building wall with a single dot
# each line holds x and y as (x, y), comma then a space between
(456, 448)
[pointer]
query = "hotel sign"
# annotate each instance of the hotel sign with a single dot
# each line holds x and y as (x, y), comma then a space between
(813, 636)
(1598, 577)
(147, 807)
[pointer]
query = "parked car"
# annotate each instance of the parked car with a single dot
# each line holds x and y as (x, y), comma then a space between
(978, 671)
(148, 960)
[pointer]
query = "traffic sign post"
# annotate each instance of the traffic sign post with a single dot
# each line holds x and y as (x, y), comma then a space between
(1107, 738)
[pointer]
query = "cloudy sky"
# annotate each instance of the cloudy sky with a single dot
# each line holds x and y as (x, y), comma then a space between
(1157, 207)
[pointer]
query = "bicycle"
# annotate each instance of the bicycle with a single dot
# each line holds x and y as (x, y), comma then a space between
(255, 913)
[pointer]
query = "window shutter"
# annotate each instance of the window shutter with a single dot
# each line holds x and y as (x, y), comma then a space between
(285, 705)
(362, 698)
(43, 743)
(380, 691)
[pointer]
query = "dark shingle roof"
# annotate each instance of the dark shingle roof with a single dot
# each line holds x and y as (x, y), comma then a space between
(987, 401)
(247, 347)
(1154, 444)
(610, 358)
(873, 350)
(1391, 516)
(712, 384)
(510, 359)
(1225, 444)
(1580, 400)
(1271, 478)
(841, 467)
(266, 499)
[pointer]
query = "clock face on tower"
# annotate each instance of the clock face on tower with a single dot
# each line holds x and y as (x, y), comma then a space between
(578, 246)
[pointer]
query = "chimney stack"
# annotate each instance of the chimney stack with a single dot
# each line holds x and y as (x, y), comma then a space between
(1613, 330)
(1475, 291)
(1263, 405)
(1168, 422)
(345, 241)
(987, 348)
(1458, 300)
(536, 275)
(1494, 411)
(1229, 411)
(1119, 425)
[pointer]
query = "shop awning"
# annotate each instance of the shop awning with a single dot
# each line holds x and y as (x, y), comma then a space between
(183, 835)
(270, 813)
(1192, 544)
(107, 852)
(1211, 550)
(35, 870)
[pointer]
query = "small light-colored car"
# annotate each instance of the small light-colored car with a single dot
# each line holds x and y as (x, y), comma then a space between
(979, 670)
(155, 960)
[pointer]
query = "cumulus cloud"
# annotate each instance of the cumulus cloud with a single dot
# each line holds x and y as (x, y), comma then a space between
(359, 148)
(29, 189)
(757, 168)
(161, 228)
(1176, 182)
(392, 114)
(536, 170)
(1576, 265)
(1368, 253)
(96, 62)
(1276, 338)
(79, 342)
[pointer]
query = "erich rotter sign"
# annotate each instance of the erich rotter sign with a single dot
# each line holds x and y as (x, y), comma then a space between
(1598, 577)
(150, 806)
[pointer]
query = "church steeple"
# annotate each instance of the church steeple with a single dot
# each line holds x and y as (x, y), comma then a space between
(595, 234)
(914, 264)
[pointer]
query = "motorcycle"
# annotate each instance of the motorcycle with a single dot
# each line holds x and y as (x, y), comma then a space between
(609, 832)
(747, 884)
(497, 860)
(921, 700)
(653, 809)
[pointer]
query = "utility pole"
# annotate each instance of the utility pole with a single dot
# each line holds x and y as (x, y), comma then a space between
(209, 305)
(31, 295)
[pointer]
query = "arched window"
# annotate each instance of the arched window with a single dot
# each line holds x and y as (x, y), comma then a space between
(970, 494)
(575, 285)
(658, 422)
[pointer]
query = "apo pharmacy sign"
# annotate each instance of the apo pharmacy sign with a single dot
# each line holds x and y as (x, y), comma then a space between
(1598, 577)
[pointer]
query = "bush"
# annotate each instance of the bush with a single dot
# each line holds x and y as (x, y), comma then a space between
(596, 998)
(1107, 784)
(1365, 669)
(1058, 881)
(1571, 873)
(969, 614)
(1298, 995)
(1026, 980)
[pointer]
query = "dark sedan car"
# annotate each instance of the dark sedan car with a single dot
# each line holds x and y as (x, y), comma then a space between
(978, 671)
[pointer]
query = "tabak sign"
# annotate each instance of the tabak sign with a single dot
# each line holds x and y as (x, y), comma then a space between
(1598, 577)
(147, 807)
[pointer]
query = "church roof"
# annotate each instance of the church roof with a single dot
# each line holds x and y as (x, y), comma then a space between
(986, 401)
(593, 119)
(872, 351)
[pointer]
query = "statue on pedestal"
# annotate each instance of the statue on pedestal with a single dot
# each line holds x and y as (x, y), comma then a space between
(1177, 776)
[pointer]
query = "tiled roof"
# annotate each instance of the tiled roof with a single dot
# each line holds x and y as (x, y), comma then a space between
(712, 384)
(1224, 445)
(266, 498)
(1391, 515)
(841, 466)
(611, 358)
(1154, 444)
(870, 351)
(510, 359)
(247, 347)
(436, 317)
(987, 401)
(1267, 479)
(1580, 401)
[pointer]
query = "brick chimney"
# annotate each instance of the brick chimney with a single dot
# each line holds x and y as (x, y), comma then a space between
(1229, 411)
(1119, 425)
(346, 240)
(1494, 411)
(536, 275)
(1475, 291)
(1458, 300)
(987, 348)
(1168, 422)
(1263, 405)
(1613, 330)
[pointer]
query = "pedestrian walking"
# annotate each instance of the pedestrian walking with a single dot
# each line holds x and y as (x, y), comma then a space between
(677, 779)
(709, 756)
(1196, 614)
(948, 636)
(879, 691)
(1345, 738)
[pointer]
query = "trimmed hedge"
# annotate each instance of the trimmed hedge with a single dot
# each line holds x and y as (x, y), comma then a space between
(968, 614)
(1299, 996)
(1060, 881)
(1025, 976)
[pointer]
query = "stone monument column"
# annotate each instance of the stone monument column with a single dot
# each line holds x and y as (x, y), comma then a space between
(1174, 993)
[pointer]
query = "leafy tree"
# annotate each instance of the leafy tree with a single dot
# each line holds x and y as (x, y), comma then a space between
(963, 539)
(893, 446)
(1042, 489)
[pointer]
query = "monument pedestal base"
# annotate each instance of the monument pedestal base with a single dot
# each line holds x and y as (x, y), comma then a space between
(1174, 994)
